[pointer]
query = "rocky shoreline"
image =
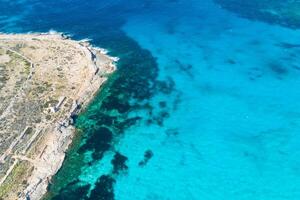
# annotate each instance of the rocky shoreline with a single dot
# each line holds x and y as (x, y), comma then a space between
(64, 131)
(58, 135)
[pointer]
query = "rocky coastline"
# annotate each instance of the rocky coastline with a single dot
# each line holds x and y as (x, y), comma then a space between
(58, 135)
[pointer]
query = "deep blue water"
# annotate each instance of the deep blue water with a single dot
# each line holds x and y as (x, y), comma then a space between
(204, 104)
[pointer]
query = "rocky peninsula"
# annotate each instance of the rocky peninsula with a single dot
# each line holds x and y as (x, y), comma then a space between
(45, 79)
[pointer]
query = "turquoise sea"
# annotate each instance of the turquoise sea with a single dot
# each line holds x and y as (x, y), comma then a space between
(205, 105)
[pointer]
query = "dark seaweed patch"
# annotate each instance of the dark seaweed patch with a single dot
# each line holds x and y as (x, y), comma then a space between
(103, 119)
(278, 69)
(256, 10)
(177, 101)
(159, 118)
(293, 55)
(73, 191)
(255, 42)
(287, 45)
(143, 106)
(149, 122)
(164, 114)
(170, 26)
(296, 67)
(103, 189)
(112, 102)
(186, 68)
(147, 156)
(230, 61)
(173, 131)
(98, 142)
(162, 104)
(166, 87)
(119, 163)
(255, 73)
(123, 124)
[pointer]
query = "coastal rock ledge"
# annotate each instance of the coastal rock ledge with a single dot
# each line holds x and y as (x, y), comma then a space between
(45, 79)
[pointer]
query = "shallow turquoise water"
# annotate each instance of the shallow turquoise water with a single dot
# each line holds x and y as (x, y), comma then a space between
(204, 105)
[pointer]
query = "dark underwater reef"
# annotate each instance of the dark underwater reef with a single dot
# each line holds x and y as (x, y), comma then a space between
(281, 12)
